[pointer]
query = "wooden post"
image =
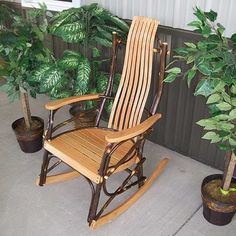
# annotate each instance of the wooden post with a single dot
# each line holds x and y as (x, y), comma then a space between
(228, 172)
(26, 108)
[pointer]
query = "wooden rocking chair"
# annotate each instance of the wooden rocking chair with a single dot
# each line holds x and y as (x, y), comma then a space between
(97, 153)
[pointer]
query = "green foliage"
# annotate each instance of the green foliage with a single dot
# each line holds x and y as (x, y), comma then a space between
(213, 58)
(78, 73)
(87, 25)
(22, 49)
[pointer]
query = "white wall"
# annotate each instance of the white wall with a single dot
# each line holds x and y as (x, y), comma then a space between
(175, 13)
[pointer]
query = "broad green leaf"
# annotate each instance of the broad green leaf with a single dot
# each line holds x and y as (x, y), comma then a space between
(207, 123)
(226, 126)
(204, 68)
(206, 30)
(221, 117)
(233, 38)
(199, 14)
(219, 86)
(213, 98)
(170, 78)
(218, 66)
(191, 45)
(195, 23)
(232, 142)
(220, 29)
(232, 114)
(190, 76)
(211, 15)
(233, 101)
(174, 70)
(70, 60)
(206, 87)
(210, 135)
(223, 147)
(181, 51)
(233, 89)
(224, 106)
(82, 80)
(103, 41)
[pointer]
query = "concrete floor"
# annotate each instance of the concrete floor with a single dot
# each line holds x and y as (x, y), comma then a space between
(172, 206)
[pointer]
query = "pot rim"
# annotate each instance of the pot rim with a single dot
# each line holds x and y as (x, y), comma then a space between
(206, 196)
(28, 132)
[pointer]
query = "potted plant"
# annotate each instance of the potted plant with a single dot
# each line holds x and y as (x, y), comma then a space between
(78, 72)
(213, 59)
(22, 50)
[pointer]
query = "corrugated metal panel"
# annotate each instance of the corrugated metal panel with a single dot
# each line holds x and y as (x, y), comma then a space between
(174, 13)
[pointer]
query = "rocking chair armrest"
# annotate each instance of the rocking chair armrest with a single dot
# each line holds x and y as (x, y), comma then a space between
(134, 131)
(54, 105)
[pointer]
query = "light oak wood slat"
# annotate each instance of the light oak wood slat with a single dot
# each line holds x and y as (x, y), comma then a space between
(117, 156)
(93, 140)
(127, 204)
(125, 146)
(70, 156)
(66, 101)
(123, 76)
(140, 88)
(147, 73)
(89, 150)
(134, 131)
(140, 111)
(132, 53)
(129, 103)
(133, 64)
(81, 150)
(138, 65)
(51, 179)
(83, 156)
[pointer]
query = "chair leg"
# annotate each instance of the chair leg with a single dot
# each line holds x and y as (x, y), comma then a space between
(140, 175)
(94, 203)
(44, 168)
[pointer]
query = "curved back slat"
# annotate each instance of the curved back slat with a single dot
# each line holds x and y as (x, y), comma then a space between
(135, 81)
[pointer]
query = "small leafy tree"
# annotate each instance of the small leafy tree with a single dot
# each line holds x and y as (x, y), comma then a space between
(213, 57)
(22, 51)
(78, 72)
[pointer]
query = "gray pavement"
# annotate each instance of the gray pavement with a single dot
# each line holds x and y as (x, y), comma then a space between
(172, 206)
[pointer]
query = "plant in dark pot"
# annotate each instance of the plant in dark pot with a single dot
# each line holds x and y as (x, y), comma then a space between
(213, 59)
(22, 50)
(79, 72)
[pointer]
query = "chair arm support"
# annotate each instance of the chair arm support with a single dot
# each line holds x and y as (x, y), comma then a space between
(134, 131)
(54, 105)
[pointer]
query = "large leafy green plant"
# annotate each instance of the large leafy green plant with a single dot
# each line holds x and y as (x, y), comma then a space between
(22, 50)
(213, 58)
(78, 72)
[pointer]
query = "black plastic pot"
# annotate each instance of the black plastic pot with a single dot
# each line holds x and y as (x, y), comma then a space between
(30, 140)
(216, 212)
